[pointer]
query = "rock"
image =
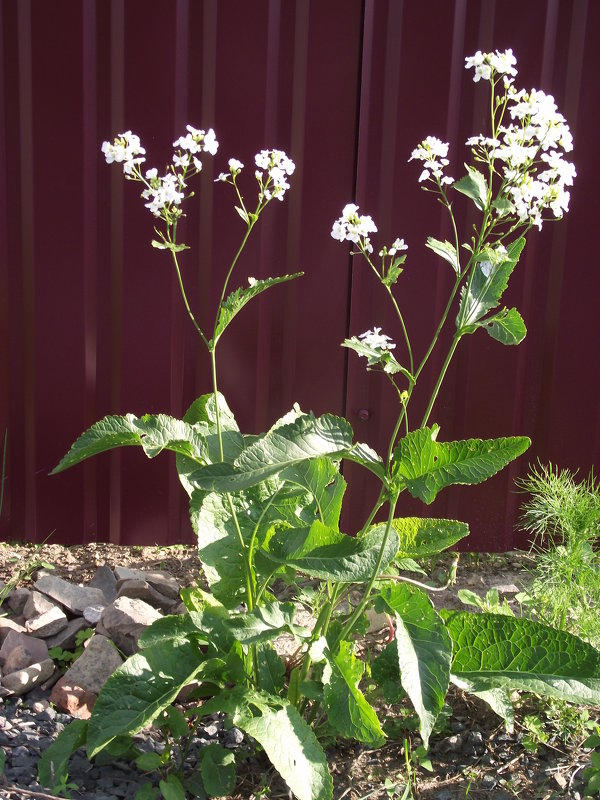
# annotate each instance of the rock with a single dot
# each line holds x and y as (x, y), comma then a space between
(74, 598)
(506, 588)
(7, 625)
(124, 620)
(162, 581)
(65, 639)
(47, 624)
(36, 605)
(104, 579)
(92, 614)
(19, 651)
(26, 679)
(142, 590)
(73, 699)
(16, 600)
(95, 665)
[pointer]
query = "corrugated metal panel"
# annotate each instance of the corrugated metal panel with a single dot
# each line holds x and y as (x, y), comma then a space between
(90, 316)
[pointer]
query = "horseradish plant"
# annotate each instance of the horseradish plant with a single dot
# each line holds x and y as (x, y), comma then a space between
(266, 509)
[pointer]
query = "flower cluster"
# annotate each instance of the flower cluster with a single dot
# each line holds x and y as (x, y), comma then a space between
(235, 167)
(277, 166)
(488, 64)
(354, 227)
(531, 146)
(376, 340)
(163, 193)
(126, 150)
(396, 247)
(433, 153)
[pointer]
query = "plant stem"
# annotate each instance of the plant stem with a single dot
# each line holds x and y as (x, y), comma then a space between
(432, 399)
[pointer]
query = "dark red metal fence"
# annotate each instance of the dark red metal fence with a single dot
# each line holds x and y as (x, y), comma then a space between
(91, 321)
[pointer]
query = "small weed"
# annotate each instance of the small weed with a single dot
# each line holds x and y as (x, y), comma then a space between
(25, 571)
(66, 657)
(591, 774)
(490, 603)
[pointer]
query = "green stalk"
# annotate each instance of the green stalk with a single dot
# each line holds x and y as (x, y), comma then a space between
(441, 376)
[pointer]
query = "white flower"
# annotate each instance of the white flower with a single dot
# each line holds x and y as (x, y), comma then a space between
(235, 165)
(197, 140)
(376, 340)
(151, 174)
(432, 152)
(488, 64)
(181, 161)
(126, 149)
(396, 247)
(353, 227)
(278, 166)
(251, 281)
(163, 192)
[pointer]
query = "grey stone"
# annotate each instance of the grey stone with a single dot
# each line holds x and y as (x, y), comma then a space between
(136, 587)
(65, 639)
(92, 614)
(162, 581)
(17, 599)
(47, 624)
(24, 680)
(104, 579)
(37, 604)
(124, 620)
(95, 665)
(72, 597)
(7, 625)
(19, 651)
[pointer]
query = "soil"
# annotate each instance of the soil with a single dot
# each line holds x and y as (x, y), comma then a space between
(471, 756)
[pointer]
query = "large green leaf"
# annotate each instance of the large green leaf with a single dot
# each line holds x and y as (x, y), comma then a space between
(486, 285)
(325, 553)
(265, 622)
(496, 651)
(202, 414)
(425, 466)
(53, 766)
(218, 770)
(348, 712)
(153, 432)
(320, 477)
(282, 447)
(238, 299)
(140, 689)
(424, 651)
(221, 520)
(421, 537)
(286, 738)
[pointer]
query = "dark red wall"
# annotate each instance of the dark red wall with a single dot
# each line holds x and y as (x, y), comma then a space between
(91, 321)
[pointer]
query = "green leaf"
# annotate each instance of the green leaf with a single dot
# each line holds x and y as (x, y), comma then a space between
(425, 466)
(286, 738)
(446, 251)
(238, 299)
(320, 477)
(424, 651)
(54, 763)
(421, 537)
(325, 553)
(264, 623)
(146, 792)
(499, 701)
(348, 712)
(142, 687)
(148, 762)
(172, 788)
(218, 770)
(282, 447)
(271, 669)
(506, 326)
(495, 651)
(473, 185)
(486, 284)
(153, 433)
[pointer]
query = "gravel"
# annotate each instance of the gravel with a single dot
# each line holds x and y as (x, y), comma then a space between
(28, 725)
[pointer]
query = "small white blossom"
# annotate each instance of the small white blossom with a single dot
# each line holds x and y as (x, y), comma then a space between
(181, 161)
(235, 165)
(376, 340)
(396, 247)
(354, 227)
(163, 192)
(196, 141)
(251, 281)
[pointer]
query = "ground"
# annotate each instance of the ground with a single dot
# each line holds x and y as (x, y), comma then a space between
(472, 756)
